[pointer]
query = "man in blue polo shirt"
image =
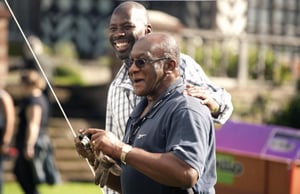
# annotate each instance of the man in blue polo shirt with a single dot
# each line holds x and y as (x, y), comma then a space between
(169, 142)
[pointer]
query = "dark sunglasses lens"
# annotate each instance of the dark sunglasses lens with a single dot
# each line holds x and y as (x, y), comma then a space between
(140, 63)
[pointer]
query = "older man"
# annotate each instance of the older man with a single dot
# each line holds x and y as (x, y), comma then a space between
(169, 142)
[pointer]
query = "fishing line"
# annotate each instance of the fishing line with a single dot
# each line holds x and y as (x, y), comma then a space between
(45, 76)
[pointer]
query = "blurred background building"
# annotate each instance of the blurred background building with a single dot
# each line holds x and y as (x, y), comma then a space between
(84, 21)
(264, 24)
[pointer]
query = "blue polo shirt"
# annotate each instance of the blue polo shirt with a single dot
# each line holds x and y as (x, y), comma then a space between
(175, 123)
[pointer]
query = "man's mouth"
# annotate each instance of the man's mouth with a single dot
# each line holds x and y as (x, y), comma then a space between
(121, 45)
(136, 82)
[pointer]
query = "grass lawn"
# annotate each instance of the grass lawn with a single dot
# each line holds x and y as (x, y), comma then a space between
(65, 188)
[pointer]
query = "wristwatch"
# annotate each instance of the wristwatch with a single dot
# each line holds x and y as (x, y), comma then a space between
(125, 149)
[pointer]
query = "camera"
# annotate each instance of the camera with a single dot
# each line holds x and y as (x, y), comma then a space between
(85, 140)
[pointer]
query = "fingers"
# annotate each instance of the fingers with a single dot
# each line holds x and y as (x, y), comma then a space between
(198, 92)
(99, 141)
(91, 131)
(83, 151)
(204, 94)
(205, 101)
(104, 141)
(86, 135)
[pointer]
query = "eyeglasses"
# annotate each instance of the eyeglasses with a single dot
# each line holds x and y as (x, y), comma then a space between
(141, 62)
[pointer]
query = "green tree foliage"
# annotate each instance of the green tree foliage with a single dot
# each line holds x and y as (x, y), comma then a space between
(289, 115)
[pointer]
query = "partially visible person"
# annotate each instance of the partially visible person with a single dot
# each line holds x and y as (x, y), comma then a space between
(7, 124)
(35, 162)
(169, 143)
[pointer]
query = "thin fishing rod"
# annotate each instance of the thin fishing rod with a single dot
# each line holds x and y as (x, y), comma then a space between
(45, 76)
(41, 69)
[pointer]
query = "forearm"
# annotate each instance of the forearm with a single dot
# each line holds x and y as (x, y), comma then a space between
(164, 168)
(8, 134)
(9, 120)
(32, 135)
(33, 114)
(9, 131)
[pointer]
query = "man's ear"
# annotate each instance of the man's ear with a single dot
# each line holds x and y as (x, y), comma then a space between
(170, 65)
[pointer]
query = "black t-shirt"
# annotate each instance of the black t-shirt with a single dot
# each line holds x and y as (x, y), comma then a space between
(23, 123)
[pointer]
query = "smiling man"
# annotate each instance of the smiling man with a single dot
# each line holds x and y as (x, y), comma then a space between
(128, 23)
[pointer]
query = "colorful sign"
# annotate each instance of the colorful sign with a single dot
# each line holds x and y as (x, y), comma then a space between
(227, 168)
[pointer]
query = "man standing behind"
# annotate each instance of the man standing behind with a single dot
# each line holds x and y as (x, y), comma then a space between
(169, 142)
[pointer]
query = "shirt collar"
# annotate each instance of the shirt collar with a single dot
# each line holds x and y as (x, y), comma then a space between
(176, 87)
(122, 78)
